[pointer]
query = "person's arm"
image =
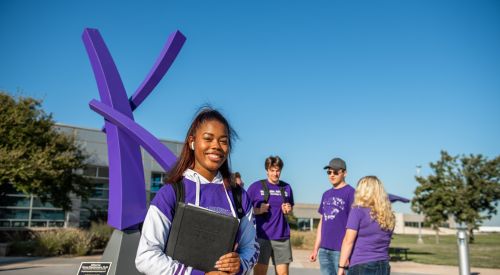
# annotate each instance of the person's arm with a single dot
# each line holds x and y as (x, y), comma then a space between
(314, 253)
(346, 250)
(256, 210)
(248, 247)
(264, 208)
(287, 207)
(254, 196)
(150, 257)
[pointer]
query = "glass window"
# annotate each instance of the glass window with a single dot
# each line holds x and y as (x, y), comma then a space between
(100, 183)
(56, 224)
(19, 223)
(90, 171)
(103, 172)
(47, 215)
(20, 214)
(95, 204)
(38, 203)
(13, 223)
(156, 181)
(86, 216)
(39, 223)
(411, 224)
(100, 193)
(15, 201)
(157, 177)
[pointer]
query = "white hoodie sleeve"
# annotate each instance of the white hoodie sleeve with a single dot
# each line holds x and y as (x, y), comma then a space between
(151, 258)
(248, 247)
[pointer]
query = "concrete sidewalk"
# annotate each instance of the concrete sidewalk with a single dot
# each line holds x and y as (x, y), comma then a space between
(301, 260)
(301, 265)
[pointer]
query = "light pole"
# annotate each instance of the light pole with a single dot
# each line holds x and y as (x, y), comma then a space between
(463, 250)
(419, 240)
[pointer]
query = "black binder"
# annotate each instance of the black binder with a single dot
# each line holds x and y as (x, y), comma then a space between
(199, 237)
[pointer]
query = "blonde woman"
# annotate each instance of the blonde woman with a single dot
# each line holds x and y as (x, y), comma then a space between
(369, 230)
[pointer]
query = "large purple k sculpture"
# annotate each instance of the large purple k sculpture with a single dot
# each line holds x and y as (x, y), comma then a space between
(127, 195)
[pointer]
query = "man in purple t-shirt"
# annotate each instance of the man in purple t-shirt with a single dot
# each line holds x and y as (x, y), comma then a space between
(334, 209)
(272, 199)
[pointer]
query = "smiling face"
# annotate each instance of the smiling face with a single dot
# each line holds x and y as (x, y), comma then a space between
(211, 147)
(273, 174)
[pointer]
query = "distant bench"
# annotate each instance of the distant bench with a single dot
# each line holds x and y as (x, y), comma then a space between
(397, 251)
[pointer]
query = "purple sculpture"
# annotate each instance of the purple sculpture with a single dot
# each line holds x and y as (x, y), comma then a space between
(127, 194)
(394, 198)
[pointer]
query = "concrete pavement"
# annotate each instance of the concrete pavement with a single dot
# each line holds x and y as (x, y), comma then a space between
(301, 265)
(301, 257)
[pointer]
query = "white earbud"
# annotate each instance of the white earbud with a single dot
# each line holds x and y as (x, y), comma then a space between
(192, 145)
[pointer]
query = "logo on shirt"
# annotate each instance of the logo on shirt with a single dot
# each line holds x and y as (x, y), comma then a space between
(274, 193)
(331, 207)
(220, 210)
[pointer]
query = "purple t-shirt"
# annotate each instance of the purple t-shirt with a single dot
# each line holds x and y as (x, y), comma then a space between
(273, 224)
(334, 209)
(372, 243)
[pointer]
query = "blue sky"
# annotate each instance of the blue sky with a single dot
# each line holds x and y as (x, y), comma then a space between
(385, 85)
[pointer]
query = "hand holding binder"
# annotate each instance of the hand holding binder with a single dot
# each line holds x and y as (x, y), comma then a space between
(229, 263)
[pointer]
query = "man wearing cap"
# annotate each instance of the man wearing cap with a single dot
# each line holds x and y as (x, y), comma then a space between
(334, 209)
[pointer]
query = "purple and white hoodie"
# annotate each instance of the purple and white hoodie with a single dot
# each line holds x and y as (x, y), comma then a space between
(151, 257)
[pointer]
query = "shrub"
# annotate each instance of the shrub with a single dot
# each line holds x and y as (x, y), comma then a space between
(59, 241)
(79, 243)
(297, 241)
(63, 241)
(49, 243)
(22, 248)
(22, 242)
(101, 232)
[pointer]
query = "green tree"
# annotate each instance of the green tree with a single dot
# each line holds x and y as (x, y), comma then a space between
(34, 157)
(434, 196)
(478, 185)
(466, 188)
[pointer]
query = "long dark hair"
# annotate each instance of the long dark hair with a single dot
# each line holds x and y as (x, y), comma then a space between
(186, 159)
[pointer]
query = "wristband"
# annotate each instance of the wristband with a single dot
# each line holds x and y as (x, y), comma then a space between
(344, 267)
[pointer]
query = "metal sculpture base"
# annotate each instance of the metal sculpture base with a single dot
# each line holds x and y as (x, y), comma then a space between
(121, 250)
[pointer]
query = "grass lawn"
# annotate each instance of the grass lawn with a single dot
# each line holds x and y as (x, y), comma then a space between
(485, 252)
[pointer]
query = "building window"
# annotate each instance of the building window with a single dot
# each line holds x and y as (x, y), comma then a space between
(15, 201)
(14, 214)
(96, 208)
(38, 203)
(412, 224)
(90, 171)
(47, 215)
(156, 183)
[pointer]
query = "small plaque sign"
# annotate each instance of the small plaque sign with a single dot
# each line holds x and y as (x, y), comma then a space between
(94, 268)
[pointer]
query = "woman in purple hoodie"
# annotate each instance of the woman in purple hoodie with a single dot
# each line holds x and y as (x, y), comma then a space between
(369, 230)
(203, 169)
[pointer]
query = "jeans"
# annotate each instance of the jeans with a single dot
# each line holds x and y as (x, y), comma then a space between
(328, 261)
(371, 268)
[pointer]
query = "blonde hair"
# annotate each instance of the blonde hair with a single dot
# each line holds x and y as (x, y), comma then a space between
(370, 193)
